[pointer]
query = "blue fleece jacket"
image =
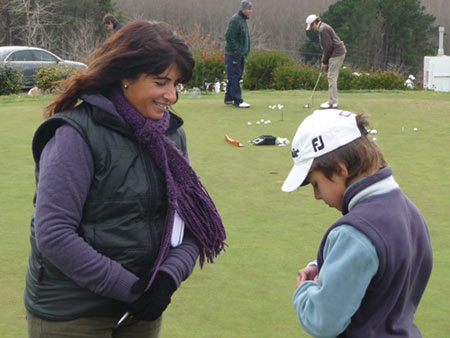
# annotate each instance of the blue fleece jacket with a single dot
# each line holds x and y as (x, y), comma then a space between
(373, 266)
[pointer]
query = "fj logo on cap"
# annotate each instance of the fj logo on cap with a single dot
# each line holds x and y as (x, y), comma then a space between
(345, 113)
(295, 153)
(317, 143)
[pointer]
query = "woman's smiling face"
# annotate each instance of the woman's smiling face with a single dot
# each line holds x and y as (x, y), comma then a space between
(150, 95)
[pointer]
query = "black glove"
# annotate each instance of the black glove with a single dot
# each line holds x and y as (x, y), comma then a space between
(155, 300)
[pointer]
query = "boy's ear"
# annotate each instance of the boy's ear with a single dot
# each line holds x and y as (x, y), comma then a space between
(342, 169)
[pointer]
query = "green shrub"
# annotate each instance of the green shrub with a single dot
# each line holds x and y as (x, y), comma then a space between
(378, 80)
(10, 80)
(310, 75)
(260, 67)
(345, 79)
(277, 70)
(209, 68)
(287, 76)
(50, 78)
(293, 76)
(390, 80)
(362, 80)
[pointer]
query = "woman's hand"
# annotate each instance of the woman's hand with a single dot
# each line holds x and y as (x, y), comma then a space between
(152, 303)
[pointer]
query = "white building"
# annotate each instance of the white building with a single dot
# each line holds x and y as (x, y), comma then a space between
(436, 69)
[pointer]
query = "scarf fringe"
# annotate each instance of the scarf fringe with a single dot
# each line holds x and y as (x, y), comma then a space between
(205, 224)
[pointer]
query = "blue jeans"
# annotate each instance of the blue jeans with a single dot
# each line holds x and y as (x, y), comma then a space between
(235, 70)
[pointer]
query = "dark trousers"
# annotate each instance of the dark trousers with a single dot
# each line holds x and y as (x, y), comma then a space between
(92, 327)
(235, 70)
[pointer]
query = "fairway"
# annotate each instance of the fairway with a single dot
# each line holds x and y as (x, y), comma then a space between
(271, 235)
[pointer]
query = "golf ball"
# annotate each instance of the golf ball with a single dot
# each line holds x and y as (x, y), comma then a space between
(415, 129)
(306, 106)
(257, 122)
(249, 123)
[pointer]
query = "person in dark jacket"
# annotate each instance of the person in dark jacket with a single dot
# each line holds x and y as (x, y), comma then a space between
(333, 55)
(237, 48)
(120, 216)
(374, 263)
(111, 22)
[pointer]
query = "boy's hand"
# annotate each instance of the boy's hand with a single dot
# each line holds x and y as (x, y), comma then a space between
(311, 272)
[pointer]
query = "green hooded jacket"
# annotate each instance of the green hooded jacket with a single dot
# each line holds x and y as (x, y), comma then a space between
(237, 36)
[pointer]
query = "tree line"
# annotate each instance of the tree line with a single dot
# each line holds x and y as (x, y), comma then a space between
(379, 34)
(387, 34)
(71, 29)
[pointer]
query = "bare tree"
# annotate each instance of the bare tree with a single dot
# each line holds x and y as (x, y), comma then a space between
(79, 42)
(273, 25)
(38, 17)
(276, 25)
(5, 24)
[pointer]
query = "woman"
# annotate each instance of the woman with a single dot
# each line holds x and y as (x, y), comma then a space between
(120, 217)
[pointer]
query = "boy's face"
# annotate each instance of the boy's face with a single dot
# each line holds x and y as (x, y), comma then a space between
(109, 26)
(330, 191)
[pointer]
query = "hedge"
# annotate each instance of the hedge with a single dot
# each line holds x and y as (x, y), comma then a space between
(51, 77)
(10, 80)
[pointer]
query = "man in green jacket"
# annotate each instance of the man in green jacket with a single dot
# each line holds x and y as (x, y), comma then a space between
(237, 49)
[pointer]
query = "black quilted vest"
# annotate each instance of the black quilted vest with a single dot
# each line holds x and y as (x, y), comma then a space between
(123, 217)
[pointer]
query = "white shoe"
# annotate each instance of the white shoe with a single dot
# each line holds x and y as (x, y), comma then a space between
(243, 105)
(327, 105)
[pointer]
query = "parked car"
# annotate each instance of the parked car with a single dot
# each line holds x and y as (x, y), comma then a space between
(30, 59)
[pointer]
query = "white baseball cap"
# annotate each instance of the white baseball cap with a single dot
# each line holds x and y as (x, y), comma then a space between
(320, 133)
(309, 20)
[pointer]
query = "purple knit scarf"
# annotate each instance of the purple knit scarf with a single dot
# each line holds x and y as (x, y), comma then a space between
(186, 194)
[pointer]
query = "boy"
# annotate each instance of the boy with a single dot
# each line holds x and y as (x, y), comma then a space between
(333, 55)
(111, 22)
(374, 263)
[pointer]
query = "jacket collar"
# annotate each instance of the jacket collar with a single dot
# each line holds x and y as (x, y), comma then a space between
(379, 183)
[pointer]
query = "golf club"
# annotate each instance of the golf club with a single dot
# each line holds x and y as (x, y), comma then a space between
(314, 90)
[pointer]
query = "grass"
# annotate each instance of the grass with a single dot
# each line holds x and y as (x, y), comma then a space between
(248, 291)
